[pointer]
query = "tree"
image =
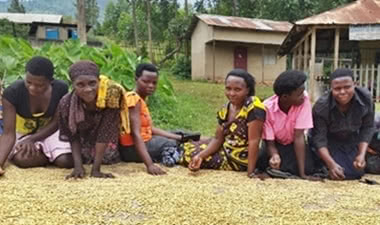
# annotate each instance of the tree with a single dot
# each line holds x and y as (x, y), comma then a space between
(16, 30)
(92, 12)
(149, 23)
(235, 8)
(135, 30)
(16, 7)
(81, 20)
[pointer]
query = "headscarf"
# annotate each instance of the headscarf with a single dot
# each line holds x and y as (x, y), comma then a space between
(109, 95)
(83, 67)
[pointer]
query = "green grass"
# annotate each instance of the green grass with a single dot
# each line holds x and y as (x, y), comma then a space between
(197, 104)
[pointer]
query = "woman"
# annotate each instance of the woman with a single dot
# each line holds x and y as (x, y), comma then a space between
(90, 118)
(30, 137)
(236, 142)
(145, 142)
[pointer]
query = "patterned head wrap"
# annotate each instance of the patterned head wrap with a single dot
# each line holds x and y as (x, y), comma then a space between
(83, 67)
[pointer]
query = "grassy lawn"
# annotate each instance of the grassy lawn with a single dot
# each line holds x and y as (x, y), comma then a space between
(199, 101)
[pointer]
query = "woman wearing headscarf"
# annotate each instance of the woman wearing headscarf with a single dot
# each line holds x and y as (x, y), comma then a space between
(90, 118)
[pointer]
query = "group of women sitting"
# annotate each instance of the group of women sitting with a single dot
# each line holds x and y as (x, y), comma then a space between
(99, 122)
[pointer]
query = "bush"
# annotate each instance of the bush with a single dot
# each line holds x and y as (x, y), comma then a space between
(113, 61)
(182, 67)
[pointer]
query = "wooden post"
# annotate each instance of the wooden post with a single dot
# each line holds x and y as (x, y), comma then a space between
(213, 60)
(306, 54)
(293, 61)
(299, 57)
(262, 63)
(378, 83)
(312, 64)
(361, 76)
(372, 78)
(366, 76)
(336, 48)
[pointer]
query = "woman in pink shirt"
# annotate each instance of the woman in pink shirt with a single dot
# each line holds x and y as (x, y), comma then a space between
(288, 116)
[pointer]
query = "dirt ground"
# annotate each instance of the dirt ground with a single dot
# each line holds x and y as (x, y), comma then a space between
(43, 196)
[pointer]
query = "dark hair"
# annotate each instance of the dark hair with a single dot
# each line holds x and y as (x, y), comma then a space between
(83, 67)
(341, 72)
(288, 81)
(145, 66)
(248, 78)
(40, 66)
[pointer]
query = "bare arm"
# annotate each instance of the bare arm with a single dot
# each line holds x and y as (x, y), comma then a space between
(134, 118)
(274, 156)
(46, 131)
(254, 136)
(99, 152)
(78, 171)
(336, 172)
(7, 140)
(212, 147)
(299, 148)
(359, 162)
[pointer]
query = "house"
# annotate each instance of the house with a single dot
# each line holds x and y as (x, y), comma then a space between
(44, 27)
(348, 36)
(221, 43)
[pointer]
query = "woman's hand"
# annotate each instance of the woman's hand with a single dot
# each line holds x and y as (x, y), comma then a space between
(2, 171)
(195, 163)
(275, 161)
(99, 174)
(155, 170)
(359, 162)
(27, 147)
(336, 172)
(77, 173)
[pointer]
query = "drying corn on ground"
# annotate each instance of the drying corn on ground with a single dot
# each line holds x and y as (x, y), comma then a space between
(43, 196)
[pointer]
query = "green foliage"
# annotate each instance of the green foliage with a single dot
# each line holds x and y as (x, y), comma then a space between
(112, 60)
(92, 11)
(11, 29)
(182, 67)
(14, 53)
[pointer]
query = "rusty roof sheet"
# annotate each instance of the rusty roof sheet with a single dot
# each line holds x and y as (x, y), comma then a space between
(245, 23)
(359, 12)
(28, 18)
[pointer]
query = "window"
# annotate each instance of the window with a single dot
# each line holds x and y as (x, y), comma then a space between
(52, 33)
(270, 56)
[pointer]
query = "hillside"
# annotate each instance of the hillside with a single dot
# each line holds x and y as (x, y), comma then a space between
(52, 6)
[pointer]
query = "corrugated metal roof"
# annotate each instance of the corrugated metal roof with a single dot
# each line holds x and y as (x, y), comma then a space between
(359, 12)
(29, 18)
(245, 23)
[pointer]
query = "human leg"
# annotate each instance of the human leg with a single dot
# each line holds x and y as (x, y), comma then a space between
(64, 161)
(57, 152)
(155, 146)
(24, 159)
